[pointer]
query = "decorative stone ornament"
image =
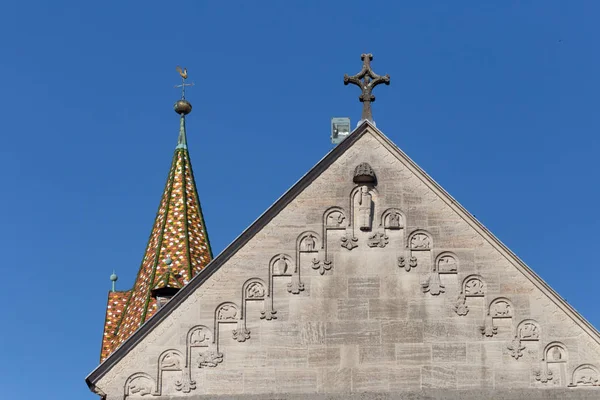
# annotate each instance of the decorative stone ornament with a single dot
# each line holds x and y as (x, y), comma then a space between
(364, 174)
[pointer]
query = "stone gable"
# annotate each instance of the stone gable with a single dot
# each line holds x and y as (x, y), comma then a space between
(363, 286)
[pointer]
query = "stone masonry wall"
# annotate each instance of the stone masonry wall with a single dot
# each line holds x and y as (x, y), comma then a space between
(319, 302)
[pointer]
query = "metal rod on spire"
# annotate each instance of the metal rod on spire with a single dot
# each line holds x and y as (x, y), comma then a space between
(366, 80)
(182, 107)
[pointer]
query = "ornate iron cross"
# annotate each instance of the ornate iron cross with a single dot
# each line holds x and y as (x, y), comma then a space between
(369, 80)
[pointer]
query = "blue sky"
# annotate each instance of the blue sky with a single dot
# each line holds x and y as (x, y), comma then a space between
(497, 101)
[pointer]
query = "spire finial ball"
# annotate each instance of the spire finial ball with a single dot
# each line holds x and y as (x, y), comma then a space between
(113, 277)
(182, 107)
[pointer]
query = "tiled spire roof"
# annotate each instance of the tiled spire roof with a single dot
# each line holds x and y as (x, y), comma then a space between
(177, 250)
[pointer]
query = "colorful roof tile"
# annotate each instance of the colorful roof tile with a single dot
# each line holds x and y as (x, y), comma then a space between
(178, 249)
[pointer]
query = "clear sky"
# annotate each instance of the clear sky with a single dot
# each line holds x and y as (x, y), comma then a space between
(496, 100)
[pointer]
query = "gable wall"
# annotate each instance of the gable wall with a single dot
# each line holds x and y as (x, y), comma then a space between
(365, 325)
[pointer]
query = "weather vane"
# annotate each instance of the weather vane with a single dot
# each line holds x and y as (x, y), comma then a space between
(184, 75)
(369, 80)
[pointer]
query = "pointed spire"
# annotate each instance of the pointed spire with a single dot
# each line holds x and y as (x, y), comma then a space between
(178, 248)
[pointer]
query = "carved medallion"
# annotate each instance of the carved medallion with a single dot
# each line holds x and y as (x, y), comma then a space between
(420, 241)
(585, 375)
(281, 266)
(447, 264)
(529, 330)
(393, 221)
(501, 309)
(200, 337)
(139, 385)
(255, 291)
(227, 312)
(378, 240)
(335, 219)
(474, 287)
(308, 244)
(171, 361)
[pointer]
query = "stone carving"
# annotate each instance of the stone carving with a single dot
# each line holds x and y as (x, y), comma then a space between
(488, 329)
(473, 286)
(308, 244)
(241, 334)
(199, 336)
(334, 219)
(295, 286)
(515, 348)
(185, 384)
(394, 221)
(281, 266)
(255, 291)
(542, 375)
(433, 284)
(365, 209)
(447, 263)
(363, 173)
(555, 353)
(378, 240)
(227, 312)
(139, 384)
(528, 330)
(349, 242)
(585, 375)
(209, 359)
(420, 241)
(321, 266)
(501, 308)
(461, 307)
(170, 361)
(412, 263)
(268, 313)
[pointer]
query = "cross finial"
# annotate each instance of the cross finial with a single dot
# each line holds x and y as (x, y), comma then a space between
(366, 80)
(183, 73)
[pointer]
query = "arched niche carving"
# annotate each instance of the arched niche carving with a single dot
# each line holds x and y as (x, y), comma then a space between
(139, 384)
(364, 200)
(447, 263)
(392, 219)
(417, 241)
(307, 246)
(228, 313)
(200, 338)
(554, 364)
(585, 375)
(420, 240)
(472, 286)
(308, 242)
(501, 307)
(252, 290)
(555, 352)
(529, 330)
(170, 360)
(173, 361)
(280, 265)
